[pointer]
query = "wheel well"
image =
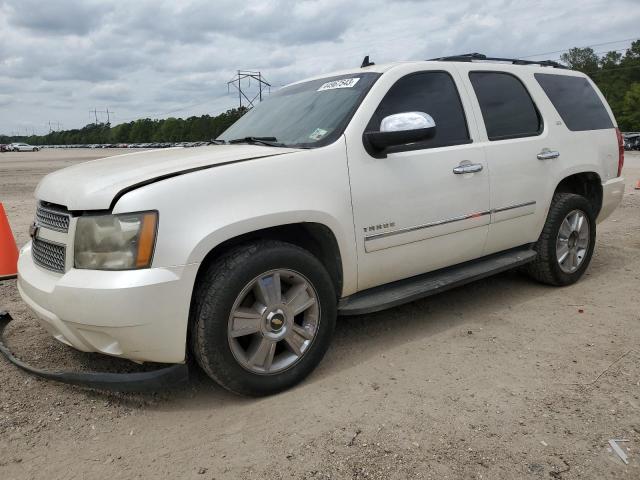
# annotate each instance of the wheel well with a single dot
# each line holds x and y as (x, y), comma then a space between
(587, 184)
(314, 237)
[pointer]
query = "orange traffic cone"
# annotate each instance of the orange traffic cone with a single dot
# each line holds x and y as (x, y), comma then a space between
(8, 249)
(638, 185)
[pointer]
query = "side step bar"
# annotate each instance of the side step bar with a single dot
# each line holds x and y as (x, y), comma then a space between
(420, 286)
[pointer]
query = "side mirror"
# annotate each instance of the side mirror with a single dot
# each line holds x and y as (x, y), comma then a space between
(401, 129)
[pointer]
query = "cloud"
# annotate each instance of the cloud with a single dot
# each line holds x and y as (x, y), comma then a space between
(61, 58)
(111, 92)
(59, 17)
(6, 100)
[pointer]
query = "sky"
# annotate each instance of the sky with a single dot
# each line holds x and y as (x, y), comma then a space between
(61, 59)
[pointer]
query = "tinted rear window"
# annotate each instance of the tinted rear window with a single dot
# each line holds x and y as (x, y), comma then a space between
(507, 108)
(576, 101)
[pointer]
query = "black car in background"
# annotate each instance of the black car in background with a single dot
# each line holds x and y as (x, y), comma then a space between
(632, 141)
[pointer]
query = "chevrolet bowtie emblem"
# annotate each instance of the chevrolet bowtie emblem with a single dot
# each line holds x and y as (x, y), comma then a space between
(33, 230)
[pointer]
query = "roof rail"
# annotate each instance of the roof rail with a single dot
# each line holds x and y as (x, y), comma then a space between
(471, 57)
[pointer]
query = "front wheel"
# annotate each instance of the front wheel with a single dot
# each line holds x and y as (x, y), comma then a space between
(263, 316)
(567, 241)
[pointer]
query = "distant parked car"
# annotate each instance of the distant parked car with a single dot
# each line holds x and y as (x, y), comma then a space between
(632, 141)
(22, 147)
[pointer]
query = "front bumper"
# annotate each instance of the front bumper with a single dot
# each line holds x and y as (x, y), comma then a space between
(612, 192)
(140, 315)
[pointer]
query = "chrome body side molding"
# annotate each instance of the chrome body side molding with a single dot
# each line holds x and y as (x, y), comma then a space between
(411, 234)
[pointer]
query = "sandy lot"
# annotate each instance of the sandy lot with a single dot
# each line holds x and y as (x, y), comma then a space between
(504, 378)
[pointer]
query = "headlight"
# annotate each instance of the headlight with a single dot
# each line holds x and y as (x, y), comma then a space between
(115, 242)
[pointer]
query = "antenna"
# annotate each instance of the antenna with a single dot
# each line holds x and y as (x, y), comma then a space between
(366, 62)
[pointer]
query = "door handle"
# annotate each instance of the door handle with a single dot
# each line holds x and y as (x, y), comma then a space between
(467, 168)
(547, 154)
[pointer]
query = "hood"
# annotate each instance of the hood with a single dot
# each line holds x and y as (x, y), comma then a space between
(93, 185)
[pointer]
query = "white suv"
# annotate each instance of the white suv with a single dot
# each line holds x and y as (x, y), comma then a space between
(341, 194)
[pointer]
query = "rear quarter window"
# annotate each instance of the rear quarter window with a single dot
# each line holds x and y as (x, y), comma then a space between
(576, 101)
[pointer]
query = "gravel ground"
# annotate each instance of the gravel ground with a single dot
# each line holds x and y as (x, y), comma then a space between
(503, 378)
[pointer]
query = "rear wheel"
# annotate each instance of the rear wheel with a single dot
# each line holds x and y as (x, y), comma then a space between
(567, 241)
(263, 317)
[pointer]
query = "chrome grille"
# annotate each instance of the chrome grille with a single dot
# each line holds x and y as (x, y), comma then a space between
(49, 255)
(53, 219)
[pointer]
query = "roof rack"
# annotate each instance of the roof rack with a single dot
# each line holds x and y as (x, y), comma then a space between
(471, 57)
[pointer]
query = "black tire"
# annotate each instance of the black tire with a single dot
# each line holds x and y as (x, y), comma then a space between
(545, 268)
(214, 297)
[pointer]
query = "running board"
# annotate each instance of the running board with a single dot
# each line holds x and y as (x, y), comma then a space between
(420, 286)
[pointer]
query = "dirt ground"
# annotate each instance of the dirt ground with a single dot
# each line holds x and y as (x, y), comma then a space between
(503, 378)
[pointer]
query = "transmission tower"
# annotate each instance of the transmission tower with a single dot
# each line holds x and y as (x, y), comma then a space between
(108, 112)
(244, 77)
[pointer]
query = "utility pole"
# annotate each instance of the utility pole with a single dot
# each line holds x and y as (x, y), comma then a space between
(247, 75)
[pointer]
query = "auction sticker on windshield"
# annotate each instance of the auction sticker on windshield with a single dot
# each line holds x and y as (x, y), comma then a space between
(344, 83)
(317, 134)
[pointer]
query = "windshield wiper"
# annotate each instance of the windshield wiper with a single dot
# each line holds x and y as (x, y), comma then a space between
(269, 141)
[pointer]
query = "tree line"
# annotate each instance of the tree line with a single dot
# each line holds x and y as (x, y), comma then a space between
(143, 130)
(618, 78)
(616, 74)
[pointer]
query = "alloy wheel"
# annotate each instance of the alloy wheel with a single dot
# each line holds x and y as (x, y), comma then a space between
(572, 242)
(273, 321)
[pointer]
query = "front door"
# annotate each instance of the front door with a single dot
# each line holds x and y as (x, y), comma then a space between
(416, 210)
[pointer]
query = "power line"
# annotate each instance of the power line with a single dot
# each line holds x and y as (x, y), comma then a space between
(612, 68)
(128, 119)
(600, 52)
(155, 115)
(586, 46)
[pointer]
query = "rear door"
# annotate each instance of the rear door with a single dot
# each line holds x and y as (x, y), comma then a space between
(520, 152)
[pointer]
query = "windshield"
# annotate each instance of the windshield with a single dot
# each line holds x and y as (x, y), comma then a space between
(305, 115)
